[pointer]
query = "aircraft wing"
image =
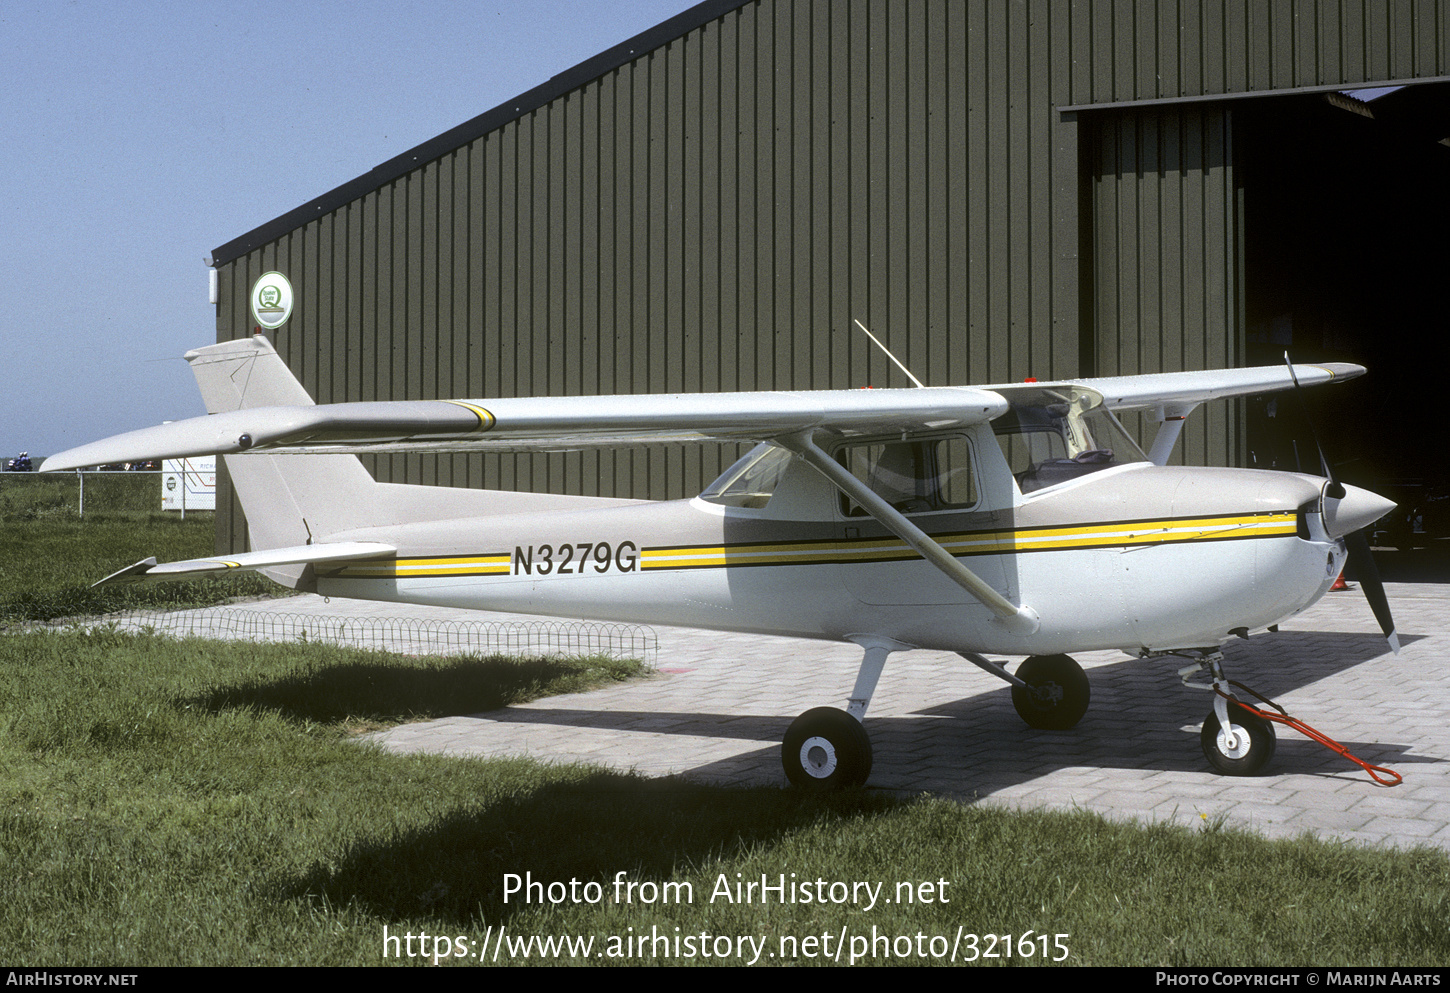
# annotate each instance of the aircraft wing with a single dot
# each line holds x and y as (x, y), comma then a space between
(1187, 389)
(339, 551)
(540, 424)
(284, 422)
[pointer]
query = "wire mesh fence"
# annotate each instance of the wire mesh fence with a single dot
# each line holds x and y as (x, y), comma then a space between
(182, 485)
(32, 493)
(401, 635)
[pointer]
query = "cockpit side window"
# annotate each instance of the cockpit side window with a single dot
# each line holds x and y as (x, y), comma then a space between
(913, 476)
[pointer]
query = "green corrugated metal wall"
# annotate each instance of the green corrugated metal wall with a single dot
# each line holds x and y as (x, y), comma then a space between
(1162, 49)
(713, 214)
(1166, 275)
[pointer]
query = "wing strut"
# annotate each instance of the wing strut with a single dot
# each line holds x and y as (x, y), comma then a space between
(1170, 418)
(1019, 620)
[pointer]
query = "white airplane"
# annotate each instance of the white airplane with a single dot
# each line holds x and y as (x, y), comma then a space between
(1015, 519)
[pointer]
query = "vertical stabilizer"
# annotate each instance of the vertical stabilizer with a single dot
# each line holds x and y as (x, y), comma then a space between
(248, 372)
(288, 499)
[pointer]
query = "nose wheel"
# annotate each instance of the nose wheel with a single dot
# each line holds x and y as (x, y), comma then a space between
(1242, 747)
(1236, 741)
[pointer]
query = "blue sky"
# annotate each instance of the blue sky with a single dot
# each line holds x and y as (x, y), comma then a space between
(138, 137)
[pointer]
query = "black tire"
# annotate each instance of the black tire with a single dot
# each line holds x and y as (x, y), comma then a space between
(1058, 692)
(826, 749)
(1249, 757)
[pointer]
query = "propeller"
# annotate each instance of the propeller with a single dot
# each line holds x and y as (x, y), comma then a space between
(1347, 511)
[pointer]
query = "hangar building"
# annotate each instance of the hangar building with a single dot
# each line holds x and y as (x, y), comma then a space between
(998, 188)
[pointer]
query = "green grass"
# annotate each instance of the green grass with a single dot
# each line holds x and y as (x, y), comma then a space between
(186, 802)
(49, 560)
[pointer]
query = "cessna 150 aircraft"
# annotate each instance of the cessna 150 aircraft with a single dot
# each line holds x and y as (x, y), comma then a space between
(1017, 519)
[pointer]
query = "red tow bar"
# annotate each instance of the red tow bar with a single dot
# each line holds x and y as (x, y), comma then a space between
(1282, 717)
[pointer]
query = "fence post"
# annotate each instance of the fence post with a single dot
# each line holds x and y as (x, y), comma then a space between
(80, 494)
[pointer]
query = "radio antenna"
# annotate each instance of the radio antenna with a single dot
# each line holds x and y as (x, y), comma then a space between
(893, 358)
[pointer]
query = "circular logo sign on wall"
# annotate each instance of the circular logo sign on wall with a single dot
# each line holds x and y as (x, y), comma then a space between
(271, 300)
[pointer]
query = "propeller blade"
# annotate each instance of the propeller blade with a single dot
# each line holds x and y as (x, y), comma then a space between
(1364, 503)
(1369, 581)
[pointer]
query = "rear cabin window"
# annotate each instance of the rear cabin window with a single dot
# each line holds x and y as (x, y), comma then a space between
(913, 476)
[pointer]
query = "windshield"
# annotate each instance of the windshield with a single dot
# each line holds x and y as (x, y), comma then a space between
(1052, 434)
(750, 481)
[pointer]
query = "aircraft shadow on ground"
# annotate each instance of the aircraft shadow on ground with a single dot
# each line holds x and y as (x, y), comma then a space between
(590, 829)
(1141, 717)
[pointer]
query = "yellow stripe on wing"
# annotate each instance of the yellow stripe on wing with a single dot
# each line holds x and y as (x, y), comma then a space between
(486, 420)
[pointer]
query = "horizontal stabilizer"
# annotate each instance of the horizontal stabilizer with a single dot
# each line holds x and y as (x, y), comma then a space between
(340, 551)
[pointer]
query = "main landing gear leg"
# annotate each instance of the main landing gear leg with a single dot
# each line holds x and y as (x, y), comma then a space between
(828, 749)
(1235, 741)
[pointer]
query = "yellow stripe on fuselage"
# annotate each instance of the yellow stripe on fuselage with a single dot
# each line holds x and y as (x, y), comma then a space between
(492, 564)
(860, 550)
(975, 543)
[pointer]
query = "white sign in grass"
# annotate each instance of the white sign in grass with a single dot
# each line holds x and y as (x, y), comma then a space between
(189, 484)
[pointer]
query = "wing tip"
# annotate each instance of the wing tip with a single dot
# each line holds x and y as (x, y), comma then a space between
(131, 573)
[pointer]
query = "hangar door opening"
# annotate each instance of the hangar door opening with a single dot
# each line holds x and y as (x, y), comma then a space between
(1346, 257)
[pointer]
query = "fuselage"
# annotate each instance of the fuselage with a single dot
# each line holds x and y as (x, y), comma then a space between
(1135, 557)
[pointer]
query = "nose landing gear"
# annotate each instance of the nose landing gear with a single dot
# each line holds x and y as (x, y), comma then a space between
(1240, 746)
(1235, 741)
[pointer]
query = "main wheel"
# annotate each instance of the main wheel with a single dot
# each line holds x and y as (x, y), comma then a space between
(1252, 748)
(1057, 692)
(826, 749)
